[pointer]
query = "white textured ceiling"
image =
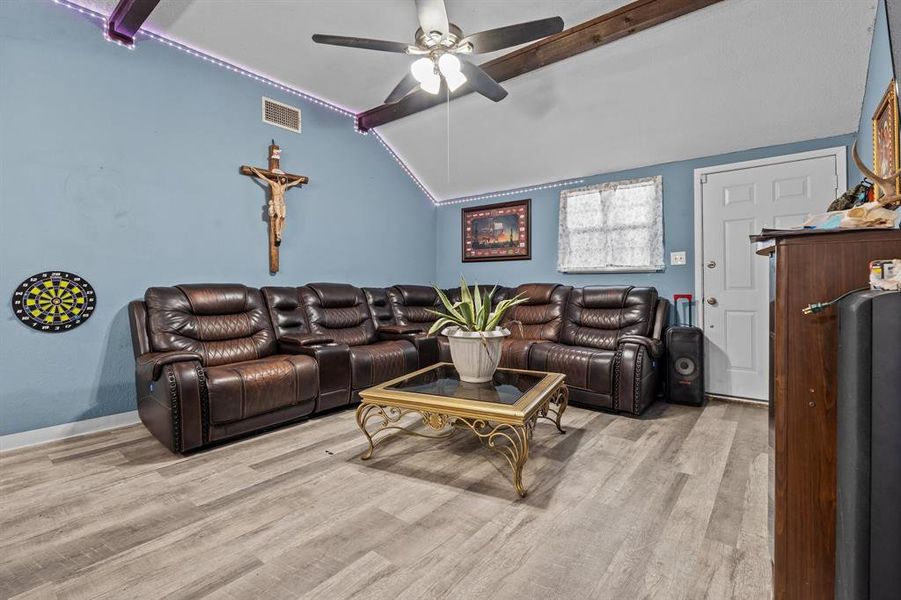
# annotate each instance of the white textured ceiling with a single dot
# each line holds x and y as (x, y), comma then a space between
(739, 74)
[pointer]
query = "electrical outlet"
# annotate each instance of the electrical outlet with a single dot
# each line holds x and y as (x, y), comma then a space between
(677, 258)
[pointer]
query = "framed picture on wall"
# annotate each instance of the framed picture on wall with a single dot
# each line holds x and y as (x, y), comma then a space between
(497, 232)
(885, 136)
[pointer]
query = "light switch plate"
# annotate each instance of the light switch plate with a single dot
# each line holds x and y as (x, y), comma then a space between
(677, 258)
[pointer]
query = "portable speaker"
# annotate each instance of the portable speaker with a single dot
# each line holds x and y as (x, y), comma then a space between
(685, 365)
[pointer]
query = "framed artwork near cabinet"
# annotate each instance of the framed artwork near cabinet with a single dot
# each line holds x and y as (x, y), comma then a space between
(885, 137)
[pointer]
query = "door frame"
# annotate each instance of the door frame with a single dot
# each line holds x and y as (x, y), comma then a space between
(841, 158)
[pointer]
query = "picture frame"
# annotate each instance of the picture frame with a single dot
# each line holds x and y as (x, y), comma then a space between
(886, 157)
(494, 232)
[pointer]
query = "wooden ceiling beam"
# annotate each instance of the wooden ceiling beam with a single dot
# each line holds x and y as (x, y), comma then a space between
(127, 18)
(609, 27)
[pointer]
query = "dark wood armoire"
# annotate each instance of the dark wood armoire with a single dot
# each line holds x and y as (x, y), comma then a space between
(808, 267)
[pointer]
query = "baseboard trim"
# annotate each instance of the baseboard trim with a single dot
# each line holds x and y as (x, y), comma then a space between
(737, 399)
(64, 431)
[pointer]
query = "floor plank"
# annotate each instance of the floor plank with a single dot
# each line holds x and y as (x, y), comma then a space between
(670, 505)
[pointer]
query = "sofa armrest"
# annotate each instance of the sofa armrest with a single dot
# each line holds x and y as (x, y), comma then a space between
(316, 350)
(288, 343)
(637, 371)
(661, 318)
(333, 360)
(426, 345)
(654, 347)
(173, 398)
(400, 329)
(411, 334)
(153, 362)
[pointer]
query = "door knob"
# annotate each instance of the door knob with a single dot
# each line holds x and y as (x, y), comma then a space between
(711, 264)
(711, 301)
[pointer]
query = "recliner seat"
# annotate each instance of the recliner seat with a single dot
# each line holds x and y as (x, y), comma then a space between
(340, 311)
(292, 332)
(607, 350)
(411, 306)
(537, 321)
(208, 366)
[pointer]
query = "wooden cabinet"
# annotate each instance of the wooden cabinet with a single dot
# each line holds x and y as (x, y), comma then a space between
(808, 267)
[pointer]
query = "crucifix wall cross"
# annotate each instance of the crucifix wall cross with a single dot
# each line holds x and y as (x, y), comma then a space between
(278, 182)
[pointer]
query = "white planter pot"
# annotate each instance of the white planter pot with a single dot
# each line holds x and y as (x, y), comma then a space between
(475, 354)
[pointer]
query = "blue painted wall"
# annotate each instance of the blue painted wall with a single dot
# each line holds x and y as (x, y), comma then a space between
(678, 217)
(122, 166)
(879, 74)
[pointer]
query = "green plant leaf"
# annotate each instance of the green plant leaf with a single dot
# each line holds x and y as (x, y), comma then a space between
(440, 324)
(450, 307)
(465, 297)
(502, 307)
(486, 313)
(477, 303)
(495, 317)
(453, 320)
(466, 309)
(473, 311)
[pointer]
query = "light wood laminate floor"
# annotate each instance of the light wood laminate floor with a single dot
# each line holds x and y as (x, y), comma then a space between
(671, 505)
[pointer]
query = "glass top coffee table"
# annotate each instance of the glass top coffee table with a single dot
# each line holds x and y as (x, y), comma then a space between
(502, 413)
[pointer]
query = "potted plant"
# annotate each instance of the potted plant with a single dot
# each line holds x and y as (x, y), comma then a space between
(473, 331)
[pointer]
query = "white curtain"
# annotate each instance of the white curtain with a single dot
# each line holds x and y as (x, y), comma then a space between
(616, 226)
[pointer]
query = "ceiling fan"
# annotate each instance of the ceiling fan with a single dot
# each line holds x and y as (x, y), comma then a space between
(444, 51)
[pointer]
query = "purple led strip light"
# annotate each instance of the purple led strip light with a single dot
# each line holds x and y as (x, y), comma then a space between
(256, 77)
(514, 192)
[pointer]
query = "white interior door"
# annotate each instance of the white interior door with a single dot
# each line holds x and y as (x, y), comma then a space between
(736, 204)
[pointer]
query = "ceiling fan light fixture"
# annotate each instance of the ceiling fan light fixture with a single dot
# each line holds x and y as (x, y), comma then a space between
(454, 80)
(438, 42)
(423, 70)
(431, 85)
(448, 64)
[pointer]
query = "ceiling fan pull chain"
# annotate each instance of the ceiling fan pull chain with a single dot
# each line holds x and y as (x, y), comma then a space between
(447, 104)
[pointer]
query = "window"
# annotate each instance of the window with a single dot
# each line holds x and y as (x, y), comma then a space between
(616, 226)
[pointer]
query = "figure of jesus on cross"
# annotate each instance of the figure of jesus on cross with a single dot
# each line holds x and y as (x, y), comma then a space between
(278, 182)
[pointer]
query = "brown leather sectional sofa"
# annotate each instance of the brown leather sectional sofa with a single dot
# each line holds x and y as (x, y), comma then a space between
(215, 361)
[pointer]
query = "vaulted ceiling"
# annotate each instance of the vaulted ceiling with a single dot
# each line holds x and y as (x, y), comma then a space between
(735, 75)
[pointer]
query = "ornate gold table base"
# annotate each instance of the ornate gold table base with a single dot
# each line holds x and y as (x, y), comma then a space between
(510, 441)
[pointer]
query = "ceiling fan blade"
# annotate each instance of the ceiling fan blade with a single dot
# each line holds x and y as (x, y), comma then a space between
(513, 35)
(406, 85)
(480, 81)
(364, 43)
(432, 15)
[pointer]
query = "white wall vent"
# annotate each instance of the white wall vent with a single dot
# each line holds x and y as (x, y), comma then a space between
(281, 115)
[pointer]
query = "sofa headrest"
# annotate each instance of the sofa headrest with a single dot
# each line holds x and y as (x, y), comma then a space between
(376, 296)
(642, 296)
(216, 298)
(618, 296)
(221, 322)
(281, 297)
(537, 293)
(417, 295)
(379, 305)
(337, 295)
(612, 296)
(285, 309)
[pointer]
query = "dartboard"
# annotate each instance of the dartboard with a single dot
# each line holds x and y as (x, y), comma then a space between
(54, 302)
